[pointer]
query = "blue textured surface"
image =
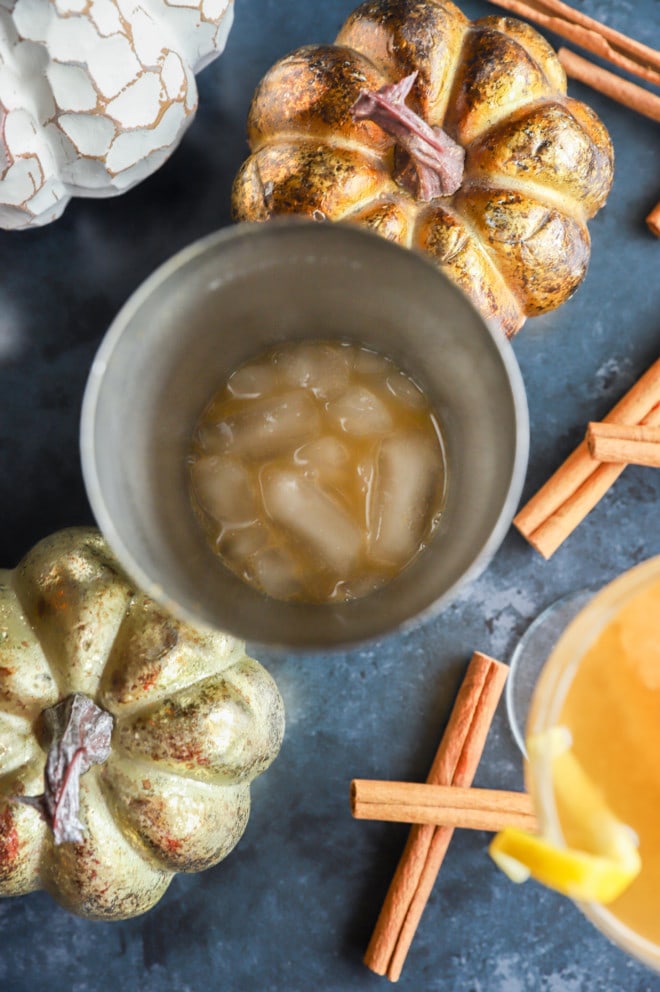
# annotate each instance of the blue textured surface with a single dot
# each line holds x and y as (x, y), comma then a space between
(293, 907)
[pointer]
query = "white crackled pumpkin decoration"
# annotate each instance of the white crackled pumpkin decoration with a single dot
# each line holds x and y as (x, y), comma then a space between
(128, 740)
(95, 95)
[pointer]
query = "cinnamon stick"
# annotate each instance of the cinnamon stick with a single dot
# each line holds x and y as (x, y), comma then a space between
(455, 763)
(636, 445)
(444, 805)
(580, 482)
(629, 94)
(653, 220)
(599, 39)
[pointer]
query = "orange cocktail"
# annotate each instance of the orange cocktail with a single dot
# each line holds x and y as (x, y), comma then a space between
(593, 743)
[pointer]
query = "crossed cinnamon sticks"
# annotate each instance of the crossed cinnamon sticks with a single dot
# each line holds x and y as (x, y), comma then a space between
(454, 765)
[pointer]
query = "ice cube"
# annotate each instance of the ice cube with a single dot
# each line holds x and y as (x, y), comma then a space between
(267, 427)
(322, 368)
(254, 379)
(401, 386)
(401, 502)
(304, 510)
(238, 544)
(212, 438)
(367, 362)
(335, 469)
(276, 573)
(360, 412)
(361, 585)
(222, 487)
(325, 454)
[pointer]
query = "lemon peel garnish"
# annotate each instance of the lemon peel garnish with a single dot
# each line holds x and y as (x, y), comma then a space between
(609, 861)
(578, 874)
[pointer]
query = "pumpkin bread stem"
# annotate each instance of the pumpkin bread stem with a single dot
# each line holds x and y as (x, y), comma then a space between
(434, 162)
(77, 734)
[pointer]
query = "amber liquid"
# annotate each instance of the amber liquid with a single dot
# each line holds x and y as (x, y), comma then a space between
(612, 710)
(318, 471)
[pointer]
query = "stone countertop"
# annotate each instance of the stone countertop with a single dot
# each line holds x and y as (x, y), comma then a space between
(293, 907)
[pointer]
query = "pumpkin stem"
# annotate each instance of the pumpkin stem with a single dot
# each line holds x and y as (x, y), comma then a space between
(77, 736)
(435, 162)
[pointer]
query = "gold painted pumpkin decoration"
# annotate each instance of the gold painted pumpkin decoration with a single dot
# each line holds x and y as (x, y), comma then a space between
(452, 137)
(154, 732)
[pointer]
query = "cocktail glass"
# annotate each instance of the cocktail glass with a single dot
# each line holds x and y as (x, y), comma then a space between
(222, 301)
(600, 683)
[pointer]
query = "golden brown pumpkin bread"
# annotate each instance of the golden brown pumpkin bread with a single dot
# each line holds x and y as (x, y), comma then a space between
(537, 164)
